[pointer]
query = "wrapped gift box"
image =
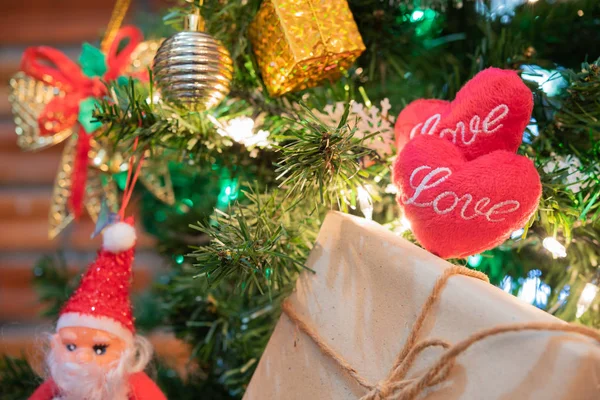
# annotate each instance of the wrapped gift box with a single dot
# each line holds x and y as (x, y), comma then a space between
(367, 291)
(299, 43)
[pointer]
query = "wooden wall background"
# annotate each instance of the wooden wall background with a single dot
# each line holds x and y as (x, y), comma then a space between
(26, 179)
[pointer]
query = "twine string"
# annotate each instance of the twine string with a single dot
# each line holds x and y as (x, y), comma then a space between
(395, 386)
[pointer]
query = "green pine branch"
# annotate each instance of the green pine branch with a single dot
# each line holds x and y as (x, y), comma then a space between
(322, 162)
(227, 331)
(53, 283)
(261, 245)
(17, 379)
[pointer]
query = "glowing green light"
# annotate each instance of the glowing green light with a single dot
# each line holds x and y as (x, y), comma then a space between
(475, 261)
(229, 192)
(234, 193)
(188, 202)
(161, 216)
(179, 259)
(120, 178)
(268, 273)
(417, 15)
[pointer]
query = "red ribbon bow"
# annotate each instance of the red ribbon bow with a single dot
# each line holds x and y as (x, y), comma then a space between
(53, 67)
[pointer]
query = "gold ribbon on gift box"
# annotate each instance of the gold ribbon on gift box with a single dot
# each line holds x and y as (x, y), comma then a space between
(395, 386)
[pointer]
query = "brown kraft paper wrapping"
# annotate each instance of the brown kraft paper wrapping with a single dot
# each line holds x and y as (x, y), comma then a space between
(367, 291)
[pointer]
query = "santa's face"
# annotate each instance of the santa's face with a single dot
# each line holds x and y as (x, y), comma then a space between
(86, 345)
(90, 364)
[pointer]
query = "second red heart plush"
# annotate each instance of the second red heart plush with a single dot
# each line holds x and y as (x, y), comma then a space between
(489, 113)
(459, 207)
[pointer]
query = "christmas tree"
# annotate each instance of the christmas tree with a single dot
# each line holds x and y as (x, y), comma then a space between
(253, 173)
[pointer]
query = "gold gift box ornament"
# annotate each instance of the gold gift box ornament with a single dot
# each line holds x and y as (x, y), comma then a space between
(299, 43)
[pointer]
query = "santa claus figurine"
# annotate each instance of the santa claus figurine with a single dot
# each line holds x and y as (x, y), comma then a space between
(95, 353)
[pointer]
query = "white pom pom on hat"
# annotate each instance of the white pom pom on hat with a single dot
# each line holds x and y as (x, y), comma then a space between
(118, 237)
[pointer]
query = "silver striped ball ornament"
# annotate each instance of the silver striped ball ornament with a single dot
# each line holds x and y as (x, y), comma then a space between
(192, 70)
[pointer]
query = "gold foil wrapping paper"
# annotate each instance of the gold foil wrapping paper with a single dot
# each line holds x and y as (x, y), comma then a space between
(299, 43)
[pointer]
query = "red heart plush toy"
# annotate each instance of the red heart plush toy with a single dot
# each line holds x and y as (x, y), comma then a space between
(489, 113)
(461, 185)
(459, 207)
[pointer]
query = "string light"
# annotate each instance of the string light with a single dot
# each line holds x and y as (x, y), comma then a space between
(555, 247)
(399, 227)
(405, 223)
(475, 260)
(365, 202)
(229, 192)
(587, 297)
(517, 234)
(533, 290)
(155, 99)
(391, 189)
(550, 81)
(417, 15)
(241, 130)
(506, 284)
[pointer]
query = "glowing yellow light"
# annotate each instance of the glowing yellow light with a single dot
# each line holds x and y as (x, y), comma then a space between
(241, 129)
(155, 99)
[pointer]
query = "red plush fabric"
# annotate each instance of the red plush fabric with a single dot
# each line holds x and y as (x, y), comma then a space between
(459, 207)
(142, 388)
(104, 290)
(46, 391)
(489, 113)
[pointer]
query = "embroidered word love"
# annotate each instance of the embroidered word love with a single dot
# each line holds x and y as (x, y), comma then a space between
(435, 177)
(491, 124)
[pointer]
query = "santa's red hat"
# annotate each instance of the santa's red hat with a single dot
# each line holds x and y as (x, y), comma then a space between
(102, 299)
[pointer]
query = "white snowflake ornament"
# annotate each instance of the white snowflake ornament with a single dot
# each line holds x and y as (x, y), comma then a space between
(366, 120)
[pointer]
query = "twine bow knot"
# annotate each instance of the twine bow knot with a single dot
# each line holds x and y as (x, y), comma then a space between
(381, 391)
